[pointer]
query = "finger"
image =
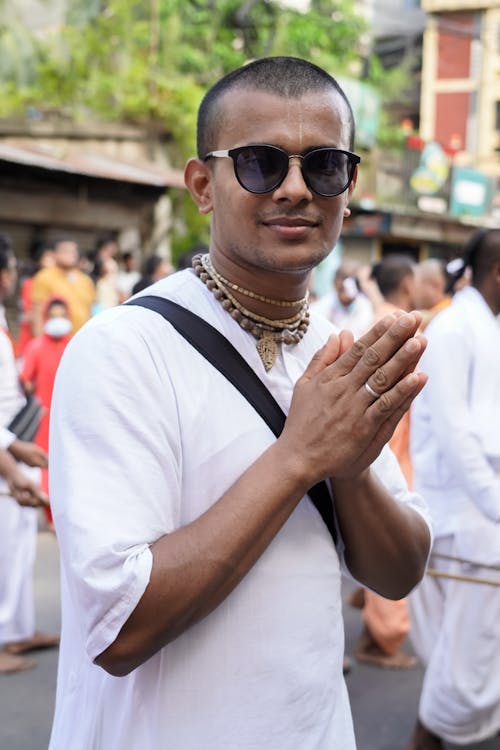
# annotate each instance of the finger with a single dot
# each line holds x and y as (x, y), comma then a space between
(351, 357)
(382, 350)
(323, 357)
(388, 427)
(346, 340)
(394, 403)
(401, 364)
(41, 497)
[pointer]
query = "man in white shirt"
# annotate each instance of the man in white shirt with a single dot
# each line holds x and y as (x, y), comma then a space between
(346, 306)
(18, 495)
(455, 448)
(201, 587)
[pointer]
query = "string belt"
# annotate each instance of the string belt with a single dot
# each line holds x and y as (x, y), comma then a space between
(460, 576)
(464, 561)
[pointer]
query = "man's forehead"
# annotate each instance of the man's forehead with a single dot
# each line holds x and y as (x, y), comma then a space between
(255, 115)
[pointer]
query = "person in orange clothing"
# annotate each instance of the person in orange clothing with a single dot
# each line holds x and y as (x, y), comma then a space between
(387, 622)
(65, 281)
(41, 360)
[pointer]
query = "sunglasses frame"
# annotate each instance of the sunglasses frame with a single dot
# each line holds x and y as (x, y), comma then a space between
(233, 153)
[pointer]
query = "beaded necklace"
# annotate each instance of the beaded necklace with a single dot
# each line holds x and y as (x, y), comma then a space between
(269, 333)
(248, 292)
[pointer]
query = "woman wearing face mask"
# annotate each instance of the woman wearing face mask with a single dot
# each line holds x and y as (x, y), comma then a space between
(41, 360)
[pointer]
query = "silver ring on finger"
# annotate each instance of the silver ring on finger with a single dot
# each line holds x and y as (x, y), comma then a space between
(370, 390)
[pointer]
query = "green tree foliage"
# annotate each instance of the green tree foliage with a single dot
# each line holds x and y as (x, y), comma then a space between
(148, 62)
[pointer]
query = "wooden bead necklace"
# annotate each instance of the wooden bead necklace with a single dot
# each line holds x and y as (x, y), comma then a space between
(248, 292)
(269, 333)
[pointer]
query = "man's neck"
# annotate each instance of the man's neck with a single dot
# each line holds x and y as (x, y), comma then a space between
(278, 286)
(490, 297)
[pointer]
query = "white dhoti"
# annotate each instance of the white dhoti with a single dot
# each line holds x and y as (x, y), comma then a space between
(456, 632)
(18, 529)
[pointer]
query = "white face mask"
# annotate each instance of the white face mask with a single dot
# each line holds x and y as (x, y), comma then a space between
(56, 328)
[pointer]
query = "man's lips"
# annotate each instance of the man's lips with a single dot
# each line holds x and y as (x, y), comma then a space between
(290, 227)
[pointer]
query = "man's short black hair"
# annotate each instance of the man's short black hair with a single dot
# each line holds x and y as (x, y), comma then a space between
(283, 76)
(6, 251)
(390, 272)
(482, 252)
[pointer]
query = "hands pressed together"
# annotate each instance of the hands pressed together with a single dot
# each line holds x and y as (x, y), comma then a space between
(29, 453)
(22, 489)
(26, 492)
(335, 417)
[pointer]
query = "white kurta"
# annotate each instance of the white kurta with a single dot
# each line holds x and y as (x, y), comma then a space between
(17, 525)
(146, 435)
(455, 446)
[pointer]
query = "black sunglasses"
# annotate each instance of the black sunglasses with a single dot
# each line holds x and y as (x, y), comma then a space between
(262, 168)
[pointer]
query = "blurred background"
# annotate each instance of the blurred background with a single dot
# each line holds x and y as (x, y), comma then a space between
(98, 101)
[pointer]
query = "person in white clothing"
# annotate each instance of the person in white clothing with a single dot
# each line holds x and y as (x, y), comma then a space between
(455, 448)
(346, 305)
(200, 585)
(19, 496)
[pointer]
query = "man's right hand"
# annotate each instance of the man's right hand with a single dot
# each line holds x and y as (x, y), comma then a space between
(29, 453)
(340, 427)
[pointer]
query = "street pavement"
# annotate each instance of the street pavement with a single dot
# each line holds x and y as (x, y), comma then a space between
(384, 702)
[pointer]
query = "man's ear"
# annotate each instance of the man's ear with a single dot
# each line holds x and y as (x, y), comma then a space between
(198, 181)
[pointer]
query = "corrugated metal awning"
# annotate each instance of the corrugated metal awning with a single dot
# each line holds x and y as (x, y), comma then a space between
(92, 165)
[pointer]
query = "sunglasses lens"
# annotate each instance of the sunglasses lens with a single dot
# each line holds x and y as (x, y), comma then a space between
(328, 171)
(260, 169)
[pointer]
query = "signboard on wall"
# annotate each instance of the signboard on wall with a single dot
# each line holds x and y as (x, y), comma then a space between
(471, 192)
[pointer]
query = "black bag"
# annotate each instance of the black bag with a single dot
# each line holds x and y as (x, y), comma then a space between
(27, 421)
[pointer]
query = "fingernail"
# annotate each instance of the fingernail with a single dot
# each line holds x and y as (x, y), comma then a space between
(411, 346)
(412, 380)
(407, 320)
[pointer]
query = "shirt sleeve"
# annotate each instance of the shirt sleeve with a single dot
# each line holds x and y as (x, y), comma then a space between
(115, 485)
(6, 438)
(448, 363)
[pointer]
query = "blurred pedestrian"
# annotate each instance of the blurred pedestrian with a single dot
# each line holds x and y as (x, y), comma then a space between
(66, 281)
(346, 306)
(455, 444)
(18, 524)
(386, 621)
(106, 248)
(128, 275)
(43, 258)
(40, 364)
(155, 268)
(431, 296)
(106, 284)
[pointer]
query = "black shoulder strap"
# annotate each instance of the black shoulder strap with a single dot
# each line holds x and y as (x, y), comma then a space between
(219, 351)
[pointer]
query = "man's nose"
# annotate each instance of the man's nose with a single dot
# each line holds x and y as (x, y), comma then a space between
(293, 186)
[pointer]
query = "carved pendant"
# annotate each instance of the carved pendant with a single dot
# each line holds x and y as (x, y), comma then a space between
(268, 350)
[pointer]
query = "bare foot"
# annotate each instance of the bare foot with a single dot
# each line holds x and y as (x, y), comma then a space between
(10, 663)
(369, 652)
(38, 641)
(423, 739)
